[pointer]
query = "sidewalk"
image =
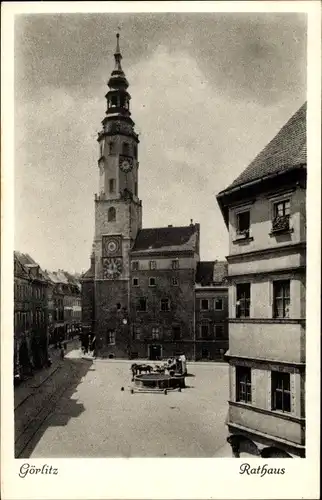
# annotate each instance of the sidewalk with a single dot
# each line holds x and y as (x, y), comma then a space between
(26, 388)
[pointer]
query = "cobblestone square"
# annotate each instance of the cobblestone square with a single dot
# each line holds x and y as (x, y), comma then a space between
(110, 422)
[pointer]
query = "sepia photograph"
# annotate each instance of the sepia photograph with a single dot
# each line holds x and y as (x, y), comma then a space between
(159, 260)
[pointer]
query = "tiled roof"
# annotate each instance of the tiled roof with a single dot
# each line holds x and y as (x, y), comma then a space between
(167, 239)
(88, 274)
(210, 272)
(286, 151)
(220, 271)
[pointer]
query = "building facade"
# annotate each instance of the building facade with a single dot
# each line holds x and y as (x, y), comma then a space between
(64, 305)
(30, 315)
(211, 311)
(138, 297)
(264, 210)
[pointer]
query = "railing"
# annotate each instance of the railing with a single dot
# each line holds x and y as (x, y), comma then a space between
(281, 223)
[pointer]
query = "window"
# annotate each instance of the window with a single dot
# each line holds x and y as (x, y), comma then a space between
(152, 281)
(155, 333)
(113, 100)
(135, 265)
(137, 332)
(176, 332)
(118, 306)
(111, 215)
(165, 305)
(219, 304)
(111, 146)
(101, 148)
(243, 300)
(141, 304)
(243, 223)
(281, 216)
(204, 304)
(219, 331)
(281, 392)
(112, 185)
(174, 281)
(125, 148)
(111, 337)
(135, 282)
(281, 290)
(243, 384)
(175, 264)
(153, 264)
(204, 330)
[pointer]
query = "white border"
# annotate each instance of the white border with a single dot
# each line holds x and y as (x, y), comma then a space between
(164, 478)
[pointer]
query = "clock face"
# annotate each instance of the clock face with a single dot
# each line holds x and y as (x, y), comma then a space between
(126, 164)
(112, 268)
(111, 246)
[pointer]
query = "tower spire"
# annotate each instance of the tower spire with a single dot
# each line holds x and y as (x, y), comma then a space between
(117, 54)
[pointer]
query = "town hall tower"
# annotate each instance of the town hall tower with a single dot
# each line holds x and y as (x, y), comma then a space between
(118, 212)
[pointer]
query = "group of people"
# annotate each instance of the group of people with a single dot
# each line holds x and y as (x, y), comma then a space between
(88, 342)
(178, 364)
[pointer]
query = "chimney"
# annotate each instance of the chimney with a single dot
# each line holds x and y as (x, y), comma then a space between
(191, 222)
(170, 225)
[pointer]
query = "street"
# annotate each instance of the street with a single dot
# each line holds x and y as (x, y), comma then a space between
(95, 418)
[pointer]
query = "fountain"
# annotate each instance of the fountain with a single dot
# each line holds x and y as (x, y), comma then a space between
(158, 382)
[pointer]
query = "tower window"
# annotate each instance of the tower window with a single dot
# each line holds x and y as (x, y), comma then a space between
(111, 214)
(113, 100)
(112, 185)
(125, 148)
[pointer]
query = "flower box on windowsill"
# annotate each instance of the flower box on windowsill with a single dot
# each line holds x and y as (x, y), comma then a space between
(281, 224)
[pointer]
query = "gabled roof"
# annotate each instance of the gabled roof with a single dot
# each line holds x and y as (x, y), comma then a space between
(160, 239)
(211, 272)
(285, 151)
(29, 264)
(19, 269)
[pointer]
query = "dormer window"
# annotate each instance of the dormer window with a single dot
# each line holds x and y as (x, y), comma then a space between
(243, 224)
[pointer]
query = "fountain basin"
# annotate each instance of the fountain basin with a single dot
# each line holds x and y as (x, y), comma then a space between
(158, 381)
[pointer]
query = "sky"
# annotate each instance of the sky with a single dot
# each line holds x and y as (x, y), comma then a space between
(209, 91)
